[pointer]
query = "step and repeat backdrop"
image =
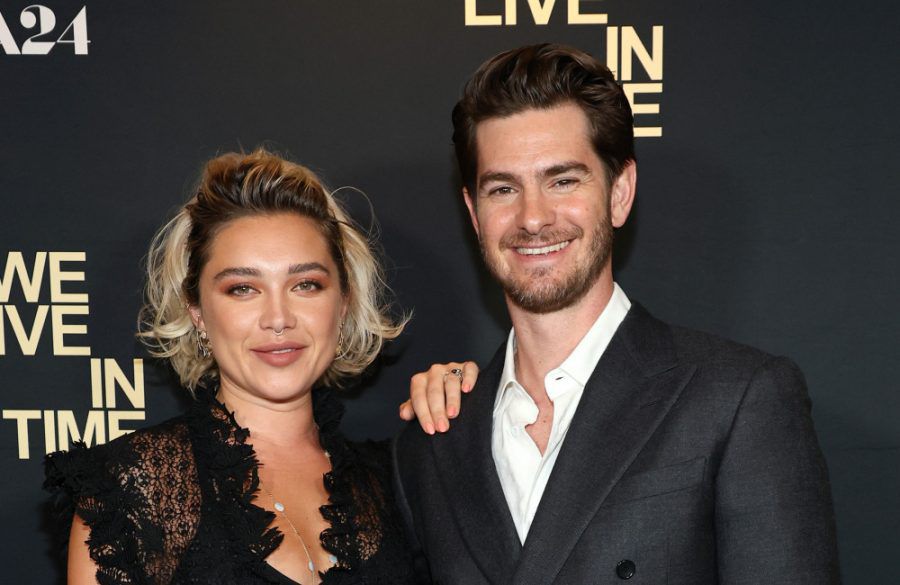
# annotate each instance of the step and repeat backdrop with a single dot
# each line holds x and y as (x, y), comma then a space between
(767, 200)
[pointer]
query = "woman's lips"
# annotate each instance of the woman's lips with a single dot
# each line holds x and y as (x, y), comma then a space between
(279, 354)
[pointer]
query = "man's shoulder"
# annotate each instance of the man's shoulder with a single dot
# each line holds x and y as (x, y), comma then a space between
(707, 351)
(721, 373)
(475, 407)
(727, 363)
(704, 348)
(410, 439)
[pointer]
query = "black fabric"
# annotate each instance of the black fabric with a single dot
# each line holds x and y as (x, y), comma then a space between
(690, 457)
(174, 503)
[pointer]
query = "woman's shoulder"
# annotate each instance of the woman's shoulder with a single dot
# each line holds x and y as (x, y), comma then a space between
(137, 493)
(123, 456)
(139, 465)
(147, 470)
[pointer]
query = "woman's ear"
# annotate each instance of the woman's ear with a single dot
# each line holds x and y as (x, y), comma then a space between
(196, 317)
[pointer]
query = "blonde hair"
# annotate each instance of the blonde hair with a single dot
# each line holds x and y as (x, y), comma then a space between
(238, 185)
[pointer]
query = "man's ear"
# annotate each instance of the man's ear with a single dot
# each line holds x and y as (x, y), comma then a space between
(621, 195)
(196, 318)
(470, 203)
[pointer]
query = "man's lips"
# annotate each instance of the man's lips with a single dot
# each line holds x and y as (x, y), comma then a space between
(542, 250)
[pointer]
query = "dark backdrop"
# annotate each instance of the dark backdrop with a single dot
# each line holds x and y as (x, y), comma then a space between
(766, 209)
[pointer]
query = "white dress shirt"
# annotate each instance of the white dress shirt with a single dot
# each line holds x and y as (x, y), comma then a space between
(523, 471)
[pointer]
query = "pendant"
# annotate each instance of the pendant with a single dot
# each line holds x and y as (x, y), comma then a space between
(312, 568)
(279, 506)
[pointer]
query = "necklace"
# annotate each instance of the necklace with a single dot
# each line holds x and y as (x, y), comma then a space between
(282, 509)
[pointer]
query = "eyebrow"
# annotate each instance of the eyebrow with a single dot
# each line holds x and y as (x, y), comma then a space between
(551, 171)
(566, 167)
(496, 177)
(294, 269)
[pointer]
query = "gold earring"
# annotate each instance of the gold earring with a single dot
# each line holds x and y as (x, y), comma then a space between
(339, 350)
(203, 344)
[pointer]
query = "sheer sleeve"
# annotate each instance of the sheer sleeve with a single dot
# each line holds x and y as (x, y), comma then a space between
(142, 497)
(138, 495)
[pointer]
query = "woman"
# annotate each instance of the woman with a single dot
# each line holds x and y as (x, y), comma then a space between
(259, 291)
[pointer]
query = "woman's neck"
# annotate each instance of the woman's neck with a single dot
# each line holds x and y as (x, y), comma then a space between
(280, 425)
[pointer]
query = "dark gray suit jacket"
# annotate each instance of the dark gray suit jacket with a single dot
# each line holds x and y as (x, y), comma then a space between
(690, 460)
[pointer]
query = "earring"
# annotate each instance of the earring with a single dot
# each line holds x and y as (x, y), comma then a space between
(203, 344)
(339, 351)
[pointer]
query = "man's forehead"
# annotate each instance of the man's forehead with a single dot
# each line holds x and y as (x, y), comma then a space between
(548, 170)
(534, 142)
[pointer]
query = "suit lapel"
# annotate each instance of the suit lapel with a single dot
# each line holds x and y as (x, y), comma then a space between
(628, 395)
(470, 482)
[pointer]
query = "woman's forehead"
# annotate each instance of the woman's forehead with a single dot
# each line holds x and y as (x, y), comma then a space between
(269, 243)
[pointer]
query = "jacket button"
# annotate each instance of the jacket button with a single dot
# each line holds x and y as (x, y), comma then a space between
(625, 569)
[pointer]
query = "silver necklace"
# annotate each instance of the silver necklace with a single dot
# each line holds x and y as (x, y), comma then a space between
(282, 509)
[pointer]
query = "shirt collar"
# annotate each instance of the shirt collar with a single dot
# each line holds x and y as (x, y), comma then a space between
(580, 364)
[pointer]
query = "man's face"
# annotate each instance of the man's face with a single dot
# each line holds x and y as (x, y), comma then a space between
(542, 207)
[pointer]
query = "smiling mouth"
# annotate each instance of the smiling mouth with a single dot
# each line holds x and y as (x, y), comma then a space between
(279, 356)
(543, 250)
(277, 349)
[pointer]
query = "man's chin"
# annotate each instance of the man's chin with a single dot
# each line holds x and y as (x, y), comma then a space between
(544, 299)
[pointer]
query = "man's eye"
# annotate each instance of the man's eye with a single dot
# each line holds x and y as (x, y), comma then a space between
(503, 190)
(566, 183)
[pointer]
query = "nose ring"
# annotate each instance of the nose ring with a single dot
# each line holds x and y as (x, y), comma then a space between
(278, 332)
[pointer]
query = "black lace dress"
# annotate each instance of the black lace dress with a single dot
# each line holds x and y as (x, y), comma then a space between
(174, 504)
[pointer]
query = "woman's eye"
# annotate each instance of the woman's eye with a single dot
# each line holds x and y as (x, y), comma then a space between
(308, 286)
(240, 290)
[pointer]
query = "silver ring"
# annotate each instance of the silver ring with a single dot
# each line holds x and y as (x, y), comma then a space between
(278, 332)
(454, 372)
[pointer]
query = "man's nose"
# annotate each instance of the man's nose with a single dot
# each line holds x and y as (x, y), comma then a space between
(536, 211)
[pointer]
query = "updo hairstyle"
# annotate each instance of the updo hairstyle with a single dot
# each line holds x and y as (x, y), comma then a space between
(237, 185)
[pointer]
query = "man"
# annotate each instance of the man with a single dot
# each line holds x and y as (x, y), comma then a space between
(600, 444)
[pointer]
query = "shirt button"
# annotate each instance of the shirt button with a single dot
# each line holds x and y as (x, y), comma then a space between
(625, 569)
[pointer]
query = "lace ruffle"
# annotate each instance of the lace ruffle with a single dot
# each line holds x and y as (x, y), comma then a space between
(176, 503)
(82, 472)
(138, 496)
(229, 488)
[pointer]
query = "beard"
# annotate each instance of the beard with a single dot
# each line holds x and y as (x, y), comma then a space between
(539, 291)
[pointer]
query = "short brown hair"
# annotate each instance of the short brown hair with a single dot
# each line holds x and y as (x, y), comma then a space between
(540, 77)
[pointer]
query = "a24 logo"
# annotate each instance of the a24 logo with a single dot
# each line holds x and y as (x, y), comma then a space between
(43, 21)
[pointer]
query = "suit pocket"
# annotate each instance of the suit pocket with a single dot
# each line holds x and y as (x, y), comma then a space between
(657, 482)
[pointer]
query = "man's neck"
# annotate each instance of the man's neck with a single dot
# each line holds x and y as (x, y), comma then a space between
(545, 340)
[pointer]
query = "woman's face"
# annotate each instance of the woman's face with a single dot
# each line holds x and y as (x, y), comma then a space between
(267, 274)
